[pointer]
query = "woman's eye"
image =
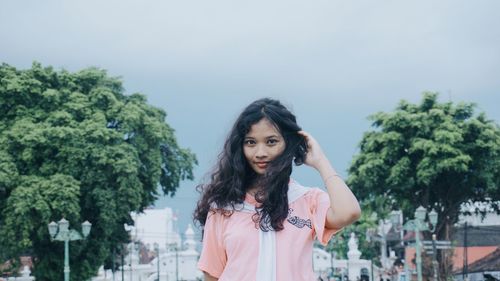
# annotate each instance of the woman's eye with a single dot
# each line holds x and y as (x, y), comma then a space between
(272, 141)
(249, 142)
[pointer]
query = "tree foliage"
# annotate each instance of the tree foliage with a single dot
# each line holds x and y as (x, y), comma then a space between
(438, 155)
(74, 145)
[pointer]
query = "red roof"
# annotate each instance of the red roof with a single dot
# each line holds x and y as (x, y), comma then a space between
(473, 254)
(489, 263)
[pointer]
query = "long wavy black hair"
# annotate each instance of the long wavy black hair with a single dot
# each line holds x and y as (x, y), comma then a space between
(232, 176)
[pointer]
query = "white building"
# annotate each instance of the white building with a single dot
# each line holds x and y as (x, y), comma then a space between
(177, 260)
(156, 226)
(490, 218)
(179, 263)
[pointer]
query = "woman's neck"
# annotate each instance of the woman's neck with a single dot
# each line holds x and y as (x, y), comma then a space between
(252, 191)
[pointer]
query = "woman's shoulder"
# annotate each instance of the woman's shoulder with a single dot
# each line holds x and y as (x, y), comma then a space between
(218, 216)
(298, 191)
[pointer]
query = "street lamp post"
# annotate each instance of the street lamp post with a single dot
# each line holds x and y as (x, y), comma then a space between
(60, 232)
(332, 257)
(417, 225)
(173, 247)
(157, 249)
(434, 257)
(123, 263)
(380, 235)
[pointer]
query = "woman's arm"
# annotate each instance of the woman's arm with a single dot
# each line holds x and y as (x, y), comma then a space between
(344, 207)
(208, 277)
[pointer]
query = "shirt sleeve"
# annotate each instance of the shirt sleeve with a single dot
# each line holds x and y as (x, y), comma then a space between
(320, 205)
(213, 255)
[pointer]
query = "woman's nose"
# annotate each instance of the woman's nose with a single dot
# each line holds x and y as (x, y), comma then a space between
(261, 152)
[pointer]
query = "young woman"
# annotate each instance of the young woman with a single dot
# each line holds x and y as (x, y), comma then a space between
(258, 223)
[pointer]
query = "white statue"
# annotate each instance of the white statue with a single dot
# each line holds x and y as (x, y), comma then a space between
(353, 253)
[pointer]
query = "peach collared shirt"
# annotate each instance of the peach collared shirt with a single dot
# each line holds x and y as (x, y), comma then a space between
(231, 244)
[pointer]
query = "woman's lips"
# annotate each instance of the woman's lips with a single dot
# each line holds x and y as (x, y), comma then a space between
(261, 165)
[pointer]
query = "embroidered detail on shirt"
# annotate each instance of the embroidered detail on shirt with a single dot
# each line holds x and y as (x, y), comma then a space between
(298, 222)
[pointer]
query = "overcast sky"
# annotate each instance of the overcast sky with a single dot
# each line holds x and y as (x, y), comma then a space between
(332, 62)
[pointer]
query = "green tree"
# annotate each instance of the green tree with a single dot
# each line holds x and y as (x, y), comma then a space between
(74, 145)
(438, 155)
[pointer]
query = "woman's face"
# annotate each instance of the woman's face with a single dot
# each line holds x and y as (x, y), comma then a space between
(262, 144)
